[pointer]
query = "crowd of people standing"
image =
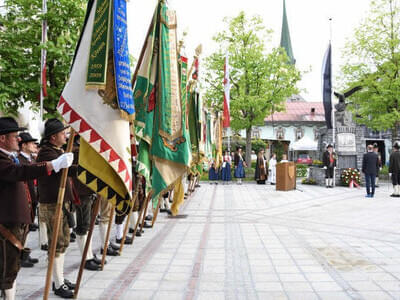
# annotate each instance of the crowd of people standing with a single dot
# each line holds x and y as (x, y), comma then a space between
(234, 162)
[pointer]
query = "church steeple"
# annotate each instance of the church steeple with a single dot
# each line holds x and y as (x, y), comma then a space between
(285, 36)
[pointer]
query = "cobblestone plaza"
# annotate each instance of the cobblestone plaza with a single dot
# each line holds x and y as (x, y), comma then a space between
(251, 242)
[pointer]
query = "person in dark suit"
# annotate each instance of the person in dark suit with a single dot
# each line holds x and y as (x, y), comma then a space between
(51, 148)
(15, 204)
(394, 169)
(370, 165)
(27, 147)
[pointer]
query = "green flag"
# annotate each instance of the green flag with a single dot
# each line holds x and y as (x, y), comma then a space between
(145, 96)
(170, 148)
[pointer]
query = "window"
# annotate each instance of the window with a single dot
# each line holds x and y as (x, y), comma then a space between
(299, 133)
(280, 134)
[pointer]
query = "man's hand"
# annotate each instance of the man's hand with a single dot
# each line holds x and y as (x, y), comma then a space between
(63, 161)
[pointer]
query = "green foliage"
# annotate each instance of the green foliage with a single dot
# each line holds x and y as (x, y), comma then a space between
(278, 149)
(317, 162)
(373, 62)
(301, 170)
(260, 81)
(309, 181)
(384, 171)
(257, 145)
(20, 47)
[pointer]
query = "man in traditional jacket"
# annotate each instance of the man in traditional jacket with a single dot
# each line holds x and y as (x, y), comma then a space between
(394, 169)
(261, 173)
(329, 162)
(27, 147)
(15, 204)
(51, 148)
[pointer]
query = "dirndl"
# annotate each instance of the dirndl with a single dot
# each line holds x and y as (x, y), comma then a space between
(226, 173)
(239, 171)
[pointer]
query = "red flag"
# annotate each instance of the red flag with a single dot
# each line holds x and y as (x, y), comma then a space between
(227, 117)
(44, 79)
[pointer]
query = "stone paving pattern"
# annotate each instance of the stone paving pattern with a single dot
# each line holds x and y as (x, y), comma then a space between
(251, 242)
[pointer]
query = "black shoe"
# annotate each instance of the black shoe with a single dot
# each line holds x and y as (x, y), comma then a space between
(97, 221)
(33, 227)
(98, 260)
(169, 212)
(138, 233)
(197, 185)
(92, 265)
(33, 260)
(163, 210)
(72, 237)
(147, 225)
(44, 247)
(149, 218)
(64, 292)
(26, 264)
(110, 251)
(128, 240)
(114, 246)
(131, 230)
(69, 284)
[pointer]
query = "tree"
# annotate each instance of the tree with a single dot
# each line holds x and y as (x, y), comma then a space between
(373, 62)
(20, 46)
(261, 81)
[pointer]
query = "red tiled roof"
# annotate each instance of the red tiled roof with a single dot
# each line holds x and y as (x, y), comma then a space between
(299, 112)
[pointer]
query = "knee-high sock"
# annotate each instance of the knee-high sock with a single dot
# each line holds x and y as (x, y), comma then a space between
(376, 180)
(120, 230)
(81, 243)
(134, 218)
(327, 182)
(58, 270)
(162, 204)
(331, 182)
(43, 233)
(10, 293)
(167, 204)
(103, 232)
(149, 209)
(397, 190)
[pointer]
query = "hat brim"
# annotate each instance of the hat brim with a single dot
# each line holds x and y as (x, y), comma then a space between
(49, 134)
(30, 140)
(9, 130)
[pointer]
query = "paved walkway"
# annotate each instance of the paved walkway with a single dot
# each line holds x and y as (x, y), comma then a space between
(251, 242)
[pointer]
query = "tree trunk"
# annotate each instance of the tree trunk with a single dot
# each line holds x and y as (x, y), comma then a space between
(248, 147)
(395, 132)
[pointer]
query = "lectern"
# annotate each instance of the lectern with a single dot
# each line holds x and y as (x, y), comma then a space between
(285, 176)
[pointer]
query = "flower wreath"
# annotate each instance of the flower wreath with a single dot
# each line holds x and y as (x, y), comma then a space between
(350, 176)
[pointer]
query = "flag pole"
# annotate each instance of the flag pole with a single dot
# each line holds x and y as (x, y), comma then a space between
(332, 106)
(107, 239)
(43, 56)
(57, 220)
(128, 220)
(95, 211)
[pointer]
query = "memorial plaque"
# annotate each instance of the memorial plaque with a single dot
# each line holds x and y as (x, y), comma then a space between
(346, 142)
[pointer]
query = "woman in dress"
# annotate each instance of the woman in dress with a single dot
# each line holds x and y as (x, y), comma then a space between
(240, 164)
(261, 168)
(226, 168)
(213, 174)
(272, 169)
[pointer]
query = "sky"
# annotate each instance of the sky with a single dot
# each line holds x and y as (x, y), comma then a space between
(308, 22)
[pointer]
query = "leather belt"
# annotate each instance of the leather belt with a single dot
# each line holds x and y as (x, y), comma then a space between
(10, 237)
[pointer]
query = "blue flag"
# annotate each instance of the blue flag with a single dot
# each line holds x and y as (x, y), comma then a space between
(121, 58)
